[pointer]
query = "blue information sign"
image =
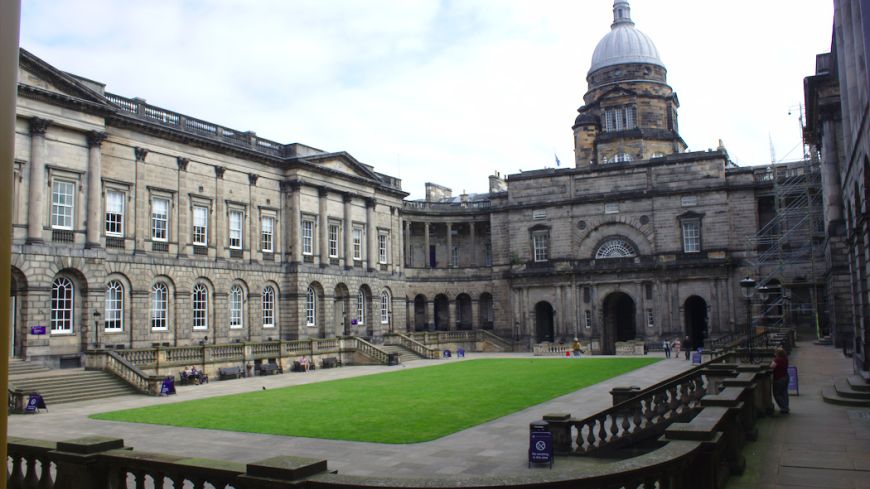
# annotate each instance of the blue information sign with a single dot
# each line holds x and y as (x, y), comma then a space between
(167, 387)
(37, 330)
(541, 448)
(793, 381)
(35, 403)
(696, 357)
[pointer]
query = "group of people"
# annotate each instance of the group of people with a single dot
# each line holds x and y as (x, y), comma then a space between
(675, 346)
(190, 375)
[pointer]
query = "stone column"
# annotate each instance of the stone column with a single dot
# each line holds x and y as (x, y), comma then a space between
(37, 185)
(430, 313)
(833, 210)
(348, 231)
(473, 258)
(407, 243)
(449, 227)
(451, 315)
(426, 257)
(183, 222)
(396, 242)
(95, 141)
(475, 314)
(323, 245)
(295, 221)
(371, 234)
(138, 238)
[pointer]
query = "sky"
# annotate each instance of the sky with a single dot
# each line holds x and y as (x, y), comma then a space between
(442, 91)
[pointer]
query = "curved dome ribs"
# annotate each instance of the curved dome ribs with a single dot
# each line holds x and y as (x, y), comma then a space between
(624, 43)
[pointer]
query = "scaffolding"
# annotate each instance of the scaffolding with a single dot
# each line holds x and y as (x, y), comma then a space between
(789, 253)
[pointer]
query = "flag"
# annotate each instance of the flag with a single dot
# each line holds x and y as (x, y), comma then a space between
(557, 159)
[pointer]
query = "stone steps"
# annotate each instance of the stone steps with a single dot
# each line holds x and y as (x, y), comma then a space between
(70, 385)
(852, 391)
(22, 367)
(858, 383)
(405, 355)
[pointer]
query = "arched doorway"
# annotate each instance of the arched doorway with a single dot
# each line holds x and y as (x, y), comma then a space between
(543, 322)
(340, 305)
(463, 312)
(619, 321)
(442, 313)
(420, 313)
(695, 313)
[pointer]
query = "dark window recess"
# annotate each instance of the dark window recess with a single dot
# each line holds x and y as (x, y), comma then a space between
(159, 246)
(237, 253)
(114, 242)
(62, 236)
(587, 295)
(268, 257)
(308, 258)
(334, 261)
(649, 291)
(385, 267)
(200, 250)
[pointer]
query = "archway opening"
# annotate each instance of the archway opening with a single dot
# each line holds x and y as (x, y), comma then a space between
(486, 315)
(420, 313)
(442, 313)
(543, 322)
(619, 321)
(463, 312)
(695, 311)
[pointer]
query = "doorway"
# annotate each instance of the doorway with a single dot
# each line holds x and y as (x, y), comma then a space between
(543, 322)
(695, 313)
(619, 321)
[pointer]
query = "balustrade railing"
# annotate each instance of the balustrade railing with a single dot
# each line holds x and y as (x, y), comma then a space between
(495, 339)
(143, 357)
(325, 345)
(550, 349)
(127, 371)
(233, 352)
(370, 350)
(266, 350)
(412, 345)
(184, 355)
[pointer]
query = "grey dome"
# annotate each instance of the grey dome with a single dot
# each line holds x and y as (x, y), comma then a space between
(624, 43)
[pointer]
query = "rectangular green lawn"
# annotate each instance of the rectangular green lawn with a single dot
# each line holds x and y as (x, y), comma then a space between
(404, 406)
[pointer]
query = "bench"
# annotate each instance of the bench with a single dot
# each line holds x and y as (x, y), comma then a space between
(199, 378)
(330, 362)
(225, 373)
(270, 369)
(297, 367)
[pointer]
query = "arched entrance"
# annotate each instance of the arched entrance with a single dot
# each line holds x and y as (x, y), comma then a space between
(619, 321)
(442, 313)
(695, 313)
(463, 312)
(340, 305)
(543, 322)
(420, 313)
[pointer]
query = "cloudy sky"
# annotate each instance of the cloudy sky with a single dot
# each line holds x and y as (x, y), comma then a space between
(444, 91)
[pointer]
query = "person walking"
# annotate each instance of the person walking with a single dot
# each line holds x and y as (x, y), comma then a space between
(780, 380)
(687, 346)
(677, 348)
(666, 345)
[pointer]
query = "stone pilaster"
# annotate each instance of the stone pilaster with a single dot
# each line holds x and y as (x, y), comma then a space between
(348, 231)
(295, 222)
(36, 206)
(95, 141)
(426, 257)
(183, 211)
(472, 259)
(138, 195)
(323, 232)
(371, 234)
(449, 231)
(407, 243)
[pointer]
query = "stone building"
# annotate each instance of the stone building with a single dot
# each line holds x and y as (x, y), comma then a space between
(136, 225)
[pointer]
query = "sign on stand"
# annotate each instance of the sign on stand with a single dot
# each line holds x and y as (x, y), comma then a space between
(793, 381)
(541, 448)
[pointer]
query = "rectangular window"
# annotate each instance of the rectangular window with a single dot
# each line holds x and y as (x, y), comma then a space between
(382, 248)
(587, 318)
(200, 225)
(159, 219)
(630, 117)
(691, 236)
(267, 230)
(540, 244)
(357, 243)
(62, 204)
(236, 230)
(650, 318)
(333, 240)
(307, 237)
(114, 213)
(454, 256)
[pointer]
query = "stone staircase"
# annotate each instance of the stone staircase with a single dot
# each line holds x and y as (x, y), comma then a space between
(405, 355)
(851, 391)
(65, 385)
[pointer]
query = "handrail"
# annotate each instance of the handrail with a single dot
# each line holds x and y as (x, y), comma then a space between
(411, 344)
(128, 372)
(371, 351)
(496, 339)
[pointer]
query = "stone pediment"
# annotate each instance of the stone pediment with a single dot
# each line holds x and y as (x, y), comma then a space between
(617, 92)
(40, 76)
(342, 163)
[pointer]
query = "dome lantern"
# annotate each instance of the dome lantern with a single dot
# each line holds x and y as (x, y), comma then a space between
(624, 43)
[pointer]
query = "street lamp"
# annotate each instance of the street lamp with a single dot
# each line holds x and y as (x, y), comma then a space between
(748, 287)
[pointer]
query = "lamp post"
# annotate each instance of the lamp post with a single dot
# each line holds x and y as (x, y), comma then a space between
(748, 287)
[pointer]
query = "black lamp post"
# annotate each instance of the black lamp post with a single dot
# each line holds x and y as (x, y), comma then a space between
(748, 287)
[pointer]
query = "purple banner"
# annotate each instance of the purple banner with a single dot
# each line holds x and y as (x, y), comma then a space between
(37, 330)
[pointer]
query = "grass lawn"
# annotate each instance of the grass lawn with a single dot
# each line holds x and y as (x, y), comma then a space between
(404, 406)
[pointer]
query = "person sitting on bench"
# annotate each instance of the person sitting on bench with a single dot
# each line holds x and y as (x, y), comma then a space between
(303, 362)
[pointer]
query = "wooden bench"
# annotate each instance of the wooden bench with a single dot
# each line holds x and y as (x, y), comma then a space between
(225, 373)
(330, 362)
(270, 369)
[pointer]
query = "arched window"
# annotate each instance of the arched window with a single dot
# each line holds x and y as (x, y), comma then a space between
(114, 307)
(615, 248)
(361, 307)
(385, 307)
(268, 307)
(159, 306)
(310, 308)
(236, 307)
(200, 307)
(62, 306)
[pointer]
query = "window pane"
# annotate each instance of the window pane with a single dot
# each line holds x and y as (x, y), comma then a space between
(361, 308)
(236, 307)
(159, 305)
(310, 311)
(235, 229)
(159, 219)
(61, 305)
(114, 306)
(691, 236)
(307, 237)
(267, 225)
(333, 241)
(268, 307)
(357, 244)
(200, 225)
(200, 307)
(62, 205)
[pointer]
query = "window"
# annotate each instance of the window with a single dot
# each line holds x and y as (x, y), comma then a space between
(267, 229)
(200, 225)
(200, 307)
(361, 307)
(268, 307)
(615, 248)
(587, 318)
(540, 246)
(454, 256)
(650, 318)
(382, 248)
(487, 255)
(62, 202)
(357, 243)
(310, 308)
(385, 307)
(159, 306)
(159, 219)
(114, 307)
(611, 208)
(619, 118)
(333, 240)
(236, 230)
(62, 306)
(235, 307)
(114, 213)
(307, 237)
(691, 235)
(621, 157)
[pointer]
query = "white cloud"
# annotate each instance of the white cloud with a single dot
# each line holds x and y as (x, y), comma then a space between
(444, 91)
